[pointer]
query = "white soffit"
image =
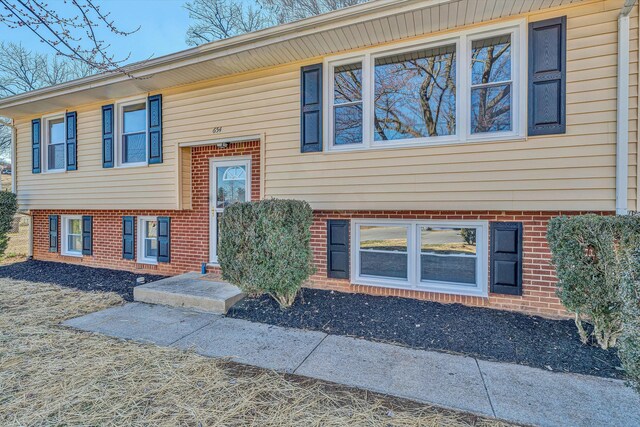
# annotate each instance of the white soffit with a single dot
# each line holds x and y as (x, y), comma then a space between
(372, 23)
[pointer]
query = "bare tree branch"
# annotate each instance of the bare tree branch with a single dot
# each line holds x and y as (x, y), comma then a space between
(72, 32)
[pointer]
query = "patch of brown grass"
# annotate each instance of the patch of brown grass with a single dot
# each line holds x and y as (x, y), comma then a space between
(18, 245)
(51, 375)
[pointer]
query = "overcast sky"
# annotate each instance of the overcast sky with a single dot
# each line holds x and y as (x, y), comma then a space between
(163, 24)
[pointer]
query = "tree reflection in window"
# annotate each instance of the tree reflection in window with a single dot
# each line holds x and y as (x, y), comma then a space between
(415, 94)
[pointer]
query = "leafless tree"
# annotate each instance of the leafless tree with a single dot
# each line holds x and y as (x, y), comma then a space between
(221, 19)
(293, 10)
(73, 29)
(22, 70)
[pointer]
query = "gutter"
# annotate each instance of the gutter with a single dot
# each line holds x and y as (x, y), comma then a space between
(622, 117)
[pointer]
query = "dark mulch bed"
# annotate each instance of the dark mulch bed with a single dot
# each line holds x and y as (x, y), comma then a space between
(76, 276)
(479, 332)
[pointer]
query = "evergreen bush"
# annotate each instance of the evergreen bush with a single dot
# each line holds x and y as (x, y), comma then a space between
(8, 208)
(265, 247)
(591, 256)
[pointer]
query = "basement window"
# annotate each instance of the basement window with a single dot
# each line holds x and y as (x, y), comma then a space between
(432, 256)
(148, 240)
(72, 235)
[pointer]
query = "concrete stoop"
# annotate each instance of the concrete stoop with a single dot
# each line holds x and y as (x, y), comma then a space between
(190, 290)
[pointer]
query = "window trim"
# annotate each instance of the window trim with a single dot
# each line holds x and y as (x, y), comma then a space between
(215, 162)
(462, 39)
(413, 281)
(140, 257)
(119, 129)
(44, 129)
(65, 234)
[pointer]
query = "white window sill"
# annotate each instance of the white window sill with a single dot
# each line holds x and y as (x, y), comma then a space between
(54, 171)
(441, 288)
(147, 261)
(73, 254)
(399, 145)
(131, 165)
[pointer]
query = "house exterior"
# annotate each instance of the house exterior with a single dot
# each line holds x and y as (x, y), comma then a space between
(434, 140)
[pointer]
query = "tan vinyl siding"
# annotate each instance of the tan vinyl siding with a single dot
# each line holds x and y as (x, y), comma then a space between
(575, 171)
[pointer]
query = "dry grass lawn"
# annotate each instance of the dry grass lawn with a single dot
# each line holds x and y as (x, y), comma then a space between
(52, 375)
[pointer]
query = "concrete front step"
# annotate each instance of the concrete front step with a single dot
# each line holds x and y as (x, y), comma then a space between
(190, 290)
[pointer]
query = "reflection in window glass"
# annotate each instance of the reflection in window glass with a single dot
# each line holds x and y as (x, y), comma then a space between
(383, 251)
(56, 144)
(448, 254)
(415, 94)
(150, 239)
(231, 182)
(491, 85)
(347, 100)
(134, 136)
(74, 236)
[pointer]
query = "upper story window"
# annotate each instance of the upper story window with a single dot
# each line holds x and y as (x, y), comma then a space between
(131, 148)
(54, 138)
(460, 88)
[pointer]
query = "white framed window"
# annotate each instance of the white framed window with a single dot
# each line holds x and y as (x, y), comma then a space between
(462, 87)
(71, 235)
(147, 240)
(54, 141)
(435, 256)
(132, 130)
(230, 182)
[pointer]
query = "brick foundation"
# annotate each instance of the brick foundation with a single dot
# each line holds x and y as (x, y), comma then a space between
(190, 240)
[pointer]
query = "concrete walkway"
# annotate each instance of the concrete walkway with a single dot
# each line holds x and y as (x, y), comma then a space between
(506, 391)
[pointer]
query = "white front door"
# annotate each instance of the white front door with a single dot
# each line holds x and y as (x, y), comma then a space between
(230, 183)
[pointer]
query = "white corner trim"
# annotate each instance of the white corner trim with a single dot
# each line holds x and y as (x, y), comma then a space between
(14, 175)
(622, 118)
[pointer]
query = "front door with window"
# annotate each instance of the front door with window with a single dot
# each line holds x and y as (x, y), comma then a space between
(230, 183)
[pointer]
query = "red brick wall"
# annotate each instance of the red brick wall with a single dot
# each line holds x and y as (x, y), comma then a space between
(189, 228)
(190, 240)
(539, 279)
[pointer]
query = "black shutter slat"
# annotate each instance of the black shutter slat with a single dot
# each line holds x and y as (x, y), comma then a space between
(154, 104)
(128, 237)
(87, 235)
(53, 233)
(338, 249)
(72, 140)
(311, 109)
(506, 258)
(107, 136)
(164, 239)
(547, 76)
(36, 154)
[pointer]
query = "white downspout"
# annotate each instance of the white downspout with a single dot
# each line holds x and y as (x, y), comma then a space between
(622, 119)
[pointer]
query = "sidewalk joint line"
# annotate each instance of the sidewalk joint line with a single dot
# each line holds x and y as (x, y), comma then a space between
(484, 384)
(192, 332)
(310, 353)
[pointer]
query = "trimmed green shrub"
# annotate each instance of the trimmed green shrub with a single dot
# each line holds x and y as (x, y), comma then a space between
(265, 247)
(8, 208)
(629, 345)
(591, 254)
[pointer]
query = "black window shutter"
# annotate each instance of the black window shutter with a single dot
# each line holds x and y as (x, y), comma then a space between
(72, 141)
(128, 237)
(164, 239)
(53, 233)
(154, 104)
(87, 235)
(547, 76)
(107, 136)
(338, 249)
(311, 108)
(36, 155)
(506, 258)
